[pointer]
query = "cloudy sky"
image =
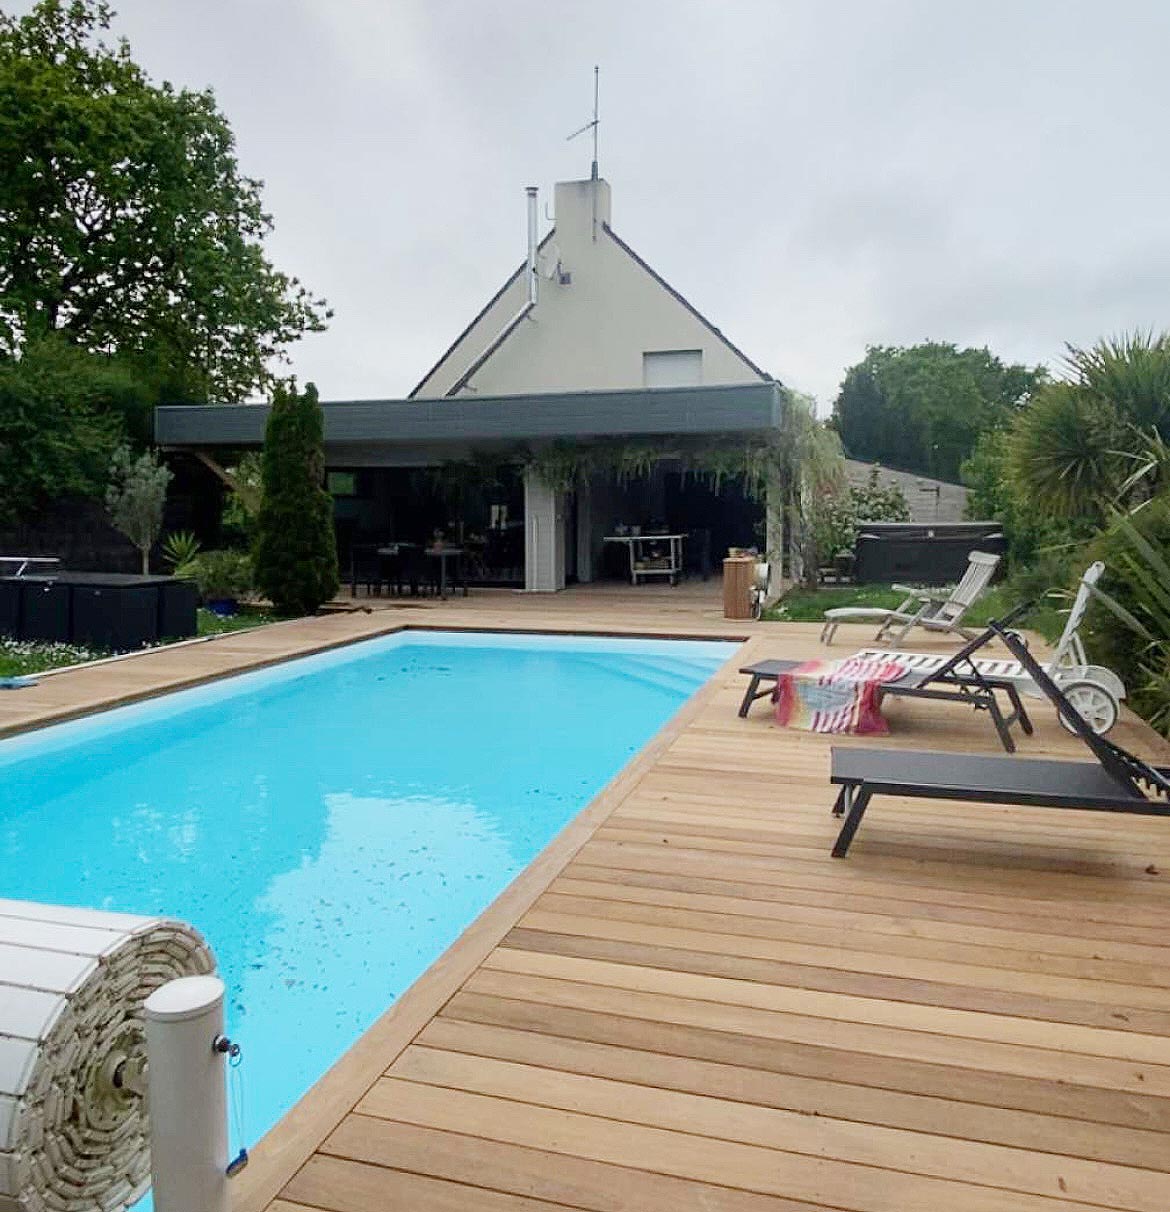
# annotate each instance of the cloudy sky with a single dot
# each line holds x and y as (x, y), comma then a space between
(813, 176)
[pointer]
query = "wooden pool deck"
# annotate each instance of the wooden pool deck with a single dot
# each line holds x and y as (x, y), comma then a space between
(685, 1003)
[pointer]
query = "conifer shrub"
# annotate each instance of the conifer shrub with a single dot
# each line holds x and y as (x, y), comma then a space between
(296, 551)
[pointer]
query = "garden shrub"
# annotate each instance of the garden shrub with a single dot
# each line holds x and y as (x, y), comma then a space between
(296, 550)
(222, 575)
(838, 516)
(1137, 579)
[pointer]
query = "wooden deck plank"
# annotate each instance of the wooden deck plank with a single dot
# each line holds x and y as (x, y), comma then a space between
(821, 1060)
(1052, 1063)
(578, 1182)
(1112, 901)
(635, 881)
(840, 1098)
(1026, 971)
(712, 962)
(686, 1003)
(767, 1171)
(872, 1008)
(717, 1118)
(337, 1185)
(997, 947)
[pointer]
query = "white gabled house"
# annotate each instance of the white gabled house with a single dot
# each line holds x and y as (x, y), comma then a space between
(585, 313)
(583, 342)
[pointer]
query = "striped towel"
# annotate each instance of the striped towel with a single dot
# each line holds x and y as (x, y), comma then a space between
(835, 696)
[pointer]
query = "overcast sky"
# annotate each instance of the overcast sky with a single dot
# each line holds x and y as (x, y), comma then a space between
(813, 176)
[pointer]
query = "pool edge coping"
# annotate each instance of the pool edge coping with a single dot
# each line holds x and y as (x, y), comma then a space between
(67, 714)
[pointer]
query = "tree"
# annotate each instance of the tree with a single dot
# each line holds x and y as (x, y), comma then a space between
(1074, 451)
(125, 222)
(922, 408)
(136, 497)
(61, 417)
(296, 552)
(861, 414)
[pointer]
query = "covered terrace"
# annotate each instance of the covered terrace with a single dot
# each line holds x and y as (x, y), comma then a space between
(506, 475)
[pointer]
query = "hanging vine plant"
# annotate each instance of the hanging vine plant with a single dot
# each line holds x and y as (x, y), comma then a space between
(801, 457)
(715, 459)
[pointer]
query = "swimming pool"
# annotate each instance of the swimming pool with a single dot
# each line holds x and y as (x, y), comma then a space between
(333, 824)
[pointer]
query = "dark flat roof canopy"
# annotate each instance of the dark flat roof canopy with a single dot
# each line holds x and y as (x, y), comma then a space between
(396, 425)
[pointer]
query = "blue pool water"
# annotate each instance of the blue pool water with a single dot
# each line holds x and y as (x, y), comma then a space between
(334, 823)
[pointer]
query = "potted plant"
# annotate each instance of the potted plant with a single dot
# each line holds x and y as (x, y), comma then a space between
(223, 578)
(180, 551)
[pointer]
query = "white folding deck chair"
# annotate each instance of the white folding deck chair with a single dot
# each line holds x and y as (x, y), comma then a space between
(1095, 691)
(922, 608)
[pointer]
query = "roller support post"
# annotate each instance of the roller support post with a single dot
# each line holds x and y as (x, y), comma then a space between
(188, 1095)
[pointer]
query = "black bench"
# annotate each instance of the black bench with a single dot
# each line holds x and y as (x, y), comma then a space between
(974, 779)
(1117, 782)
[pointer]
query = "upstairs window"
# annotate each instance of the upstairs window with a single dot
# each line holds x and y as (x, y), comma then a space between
(672, 368)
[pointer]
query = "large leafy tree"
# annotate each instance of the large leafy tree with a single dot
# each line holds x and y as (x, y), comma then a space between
(296, 552)
(63, 412)
(923, 407)
(125, 222)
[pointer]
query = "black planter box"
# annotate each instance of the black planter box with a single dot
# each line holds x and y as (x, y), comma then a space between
(115, 617)
(115, 611)
(10, 608)
(177, 601)
(44, 610)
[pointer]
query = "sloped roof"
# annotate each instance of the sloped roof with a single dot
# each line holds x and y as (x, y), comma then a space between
(479, 315)
(735, 349)
(514, 325)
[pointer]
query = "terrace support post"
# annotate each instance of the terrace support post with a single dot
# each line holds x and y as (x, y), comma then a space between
(585, 533)
(544, 535)
(796, 536)
(774, 534)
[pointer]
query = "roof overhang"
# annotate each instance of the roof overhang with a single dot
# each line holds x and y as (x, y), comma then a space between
(402, 427)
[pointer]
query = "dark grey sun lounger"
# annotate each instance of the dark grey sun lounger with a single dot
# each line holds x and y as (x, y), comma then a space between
(1117, 782)
(959, 680)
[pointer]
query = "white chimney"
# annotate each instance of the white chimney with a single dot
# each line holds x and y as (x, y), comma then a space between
(582, 208)
(532, 242)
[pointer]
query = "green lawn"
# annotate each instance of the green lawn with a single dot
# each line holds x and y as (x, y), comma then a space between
(21, 657)
(809, 605)
(247, 616)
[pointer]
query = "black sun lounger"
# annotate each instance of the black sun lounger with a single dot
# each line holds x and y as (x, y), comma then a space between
(959, 680)
(1117, 782)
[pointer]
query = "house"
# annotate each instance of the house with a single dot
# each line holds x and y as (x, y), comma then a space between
(583, 344)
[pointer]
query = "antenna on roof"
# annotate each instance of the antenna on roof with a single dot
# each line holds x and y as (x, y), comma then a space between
(593, 126)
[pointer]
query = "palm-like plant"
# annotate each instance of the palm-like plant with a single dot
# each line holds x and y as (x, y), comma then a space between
(1073, 450)
(1132, 372)
(1062, 453)
(180, 551)
(1140, 572)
